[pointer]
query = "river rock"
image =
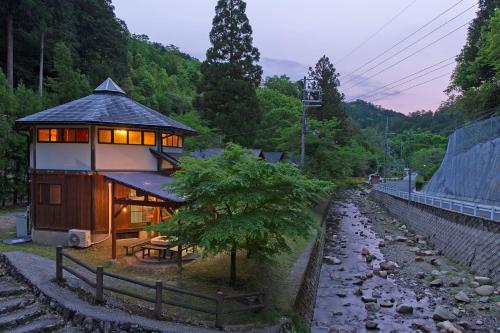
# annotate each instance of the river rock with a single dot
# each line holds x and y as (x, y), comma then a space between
(371, 325)
(333, 260)
(484, 290)
(482, 280)
(422, 327)
(436, 262)
(419, 258)
(442, 314)
(462, 297)
(368, 299)
(382, 274)
(436, 283)
(372, 307)
(386, 304)
(388, 265)
(401, 238)
(420, 275)
(365, 251)
(404, 309)
(448, 327)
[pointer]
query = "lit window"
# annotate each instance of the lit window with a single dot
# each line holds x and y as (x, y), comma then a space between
(120, 136)
(134, 137)
(104, 136)
(43, 135)
(69, 135)
(50, 194)
(55, 135)
(149, 138)
(63, 135)
(171, 140)
(81, 135)
(141, 214)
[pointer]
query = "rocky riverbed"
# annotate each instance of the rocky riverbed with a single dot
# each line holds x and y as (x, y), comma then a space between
(378, 275)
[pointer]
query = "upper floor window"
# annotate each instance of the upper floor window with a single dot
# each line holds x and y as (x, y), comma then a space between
(171, 140)
(70, 135)
(127, 137)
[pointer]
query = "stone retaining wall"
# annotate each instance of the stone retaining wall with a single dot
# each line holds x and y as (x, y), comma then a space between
(473, 241)
(306, 297)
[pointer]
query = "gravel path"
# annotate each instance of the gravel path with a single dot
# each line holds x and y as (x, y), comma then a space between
(378, 275)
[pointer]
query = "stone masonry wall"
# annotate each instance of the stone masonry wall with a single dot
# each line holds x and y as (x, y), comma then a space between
(306, 297)
(473, 241)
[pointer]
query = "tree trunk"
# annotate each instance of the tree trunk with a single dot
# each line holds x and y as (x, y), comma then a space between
(10, 47)
(233, 264)
(40, 74)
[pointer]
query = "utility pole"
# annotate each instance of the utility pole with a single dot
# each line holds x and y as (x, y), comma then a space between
(311, 97)
(386, 134)
(409, 173)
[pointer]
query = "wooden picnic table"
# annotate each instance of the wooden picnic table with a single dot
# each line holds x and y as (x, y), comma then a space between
(161, 250)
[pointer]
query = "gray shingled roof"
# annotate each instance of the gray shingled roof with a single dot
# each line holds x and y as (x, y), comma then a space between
(153, 183)
(108, 105)
(272, 156)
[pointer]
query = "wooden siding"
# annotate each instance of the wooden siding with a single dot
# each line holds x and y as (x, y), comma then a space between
(75, 208)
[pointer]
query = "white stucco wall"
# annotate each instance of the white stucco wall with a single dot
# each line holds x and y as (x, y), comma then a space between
(61, 156)
(124, 157)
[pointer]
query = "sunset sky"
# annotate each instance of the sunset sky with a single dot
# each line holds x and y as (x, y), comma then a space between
(292, 35)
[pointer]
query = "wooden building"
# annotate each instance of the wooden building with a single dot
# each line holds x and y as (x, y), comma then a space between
(98, 164)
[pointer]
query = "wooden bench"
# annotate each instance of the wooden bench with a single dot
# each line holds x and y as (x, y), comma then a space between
(133, 245)
(162, 251)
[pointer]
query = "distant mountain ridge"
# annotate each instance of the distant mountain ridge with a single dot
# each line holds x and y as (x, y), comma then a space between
(365, 114)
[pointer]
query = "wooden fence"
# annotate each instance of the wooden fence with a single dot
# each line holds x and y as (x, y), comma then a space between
(219, 299)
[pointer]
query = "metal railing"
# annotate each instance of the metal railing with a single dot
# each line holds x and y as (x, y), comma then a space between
(487, 212)
(220, 300)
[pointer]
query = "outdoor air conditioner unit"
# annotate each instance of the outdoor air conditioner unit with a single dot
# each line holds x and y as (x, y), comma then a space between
(79, 238)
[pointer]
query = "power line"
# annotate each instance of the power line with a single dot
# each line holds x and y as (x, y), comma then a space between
(415, 42)
(409, 56)
(375, 33)
(411, 87)
(406, 38)
(408, 76)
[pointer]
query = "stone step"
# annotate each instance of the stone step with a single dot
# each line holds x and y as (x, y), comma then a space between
(19, 317)
(13, 303)
(10, 288)
(48, 323)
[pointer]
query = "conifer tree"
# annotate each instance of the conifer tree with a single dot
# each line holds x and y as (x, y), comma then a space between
(69, 84)
(227, 96)
(325, 77)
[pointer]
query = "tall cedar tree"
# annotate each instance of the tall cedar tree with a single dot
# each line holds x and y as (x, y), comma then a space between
(227, 96)
(326, 78)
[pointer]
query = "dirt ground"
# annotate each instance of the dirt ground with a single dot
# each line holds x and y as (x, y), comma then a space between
(8, 218)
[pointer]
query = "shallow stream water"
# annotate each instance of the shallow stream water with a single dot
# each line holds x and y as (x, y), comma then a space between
(339, 305)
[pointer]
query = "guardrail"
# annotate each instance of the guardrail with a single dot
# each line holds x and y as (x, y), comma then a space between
(488, 212)
(219, 299)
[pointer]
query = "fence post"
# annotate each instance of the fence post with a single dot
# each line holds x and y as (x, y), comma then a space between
(265, 299)
(219, 310)
(158, 299)
(59, 263)
(99, 284)
(492, 213)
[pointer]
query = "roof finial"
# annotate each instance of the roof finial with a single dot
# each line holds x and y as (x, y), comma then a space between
(109, 86)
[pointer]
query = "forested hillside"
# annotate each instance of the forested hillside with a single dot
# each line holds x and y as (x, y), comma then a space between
(54, 51)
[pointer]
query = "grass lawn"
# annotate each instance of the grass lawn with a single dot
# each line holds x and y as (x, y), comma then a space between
(204, 275)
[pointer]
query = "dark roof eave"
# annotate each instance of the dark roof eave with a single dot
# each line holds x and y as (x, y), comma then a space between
(19, 125)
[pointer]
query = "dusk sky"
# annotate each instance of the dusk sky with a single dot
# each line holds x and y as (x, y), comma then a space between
(292, 35)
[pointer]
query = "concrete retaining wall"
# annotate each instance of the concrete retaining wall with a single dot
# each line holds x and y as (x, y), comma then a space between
(473, 241)
(306, 297)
